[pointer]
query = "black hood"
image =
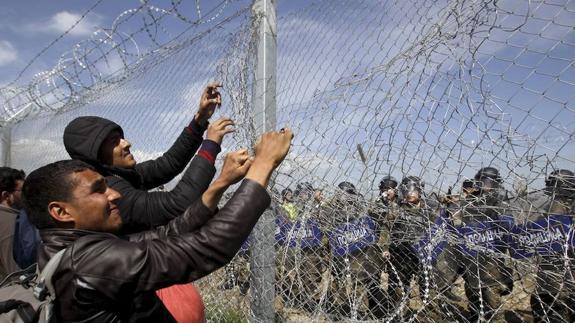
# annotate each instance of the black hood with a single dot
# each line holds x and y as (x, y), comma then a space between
(83, 137)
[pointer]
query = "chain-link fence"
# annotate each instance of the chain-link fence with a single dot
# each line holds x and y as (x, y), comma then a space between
(430, 177)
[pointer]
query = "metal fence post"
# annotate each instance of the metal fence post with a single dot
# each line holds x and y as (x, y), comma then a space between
(6, 144)
(262, 261)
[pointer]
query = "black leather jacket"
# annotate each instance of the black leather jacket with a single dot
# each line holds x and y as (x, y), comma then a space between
(107, 278)
(140, 209)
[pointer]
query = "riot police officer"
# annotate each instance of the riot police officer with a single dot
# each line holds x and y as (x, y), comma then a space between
(288, 203)
(554, 298)
(406, 229)
(486, 277)
(447, 266)
(386, 209)
(351, 269)
(302, 257)
(385, 212)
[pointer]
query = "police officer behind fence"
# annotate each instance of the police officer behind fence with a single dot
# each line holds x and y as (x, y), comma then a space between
(345, 268)
(385, 212)
(554, 298)
(411, 222)
(310, 256)
(288, 203)
(486, 277)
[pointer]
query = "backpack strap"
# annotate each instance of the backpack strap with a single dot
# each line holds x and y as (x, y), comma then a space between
(25, 311)
(45, 286)
(22, 276)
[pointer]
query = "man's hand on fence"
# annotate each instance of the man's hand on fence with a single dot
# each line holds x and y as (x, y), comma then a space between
(210, 100)
(218, 129)
(271, 149)
(273, 146)
(236, 165)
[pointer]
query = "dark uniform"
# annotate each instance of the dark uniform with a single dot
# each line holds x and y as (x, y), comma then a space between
(554, 298)
(486, 277)
(385, 212)
(407, 228)
(449, 263)
(352, 273)
(302, 263)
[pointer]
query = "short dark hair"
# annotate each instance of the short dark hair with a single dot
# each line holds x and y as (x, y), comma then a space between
(8, 178)
(49, 183)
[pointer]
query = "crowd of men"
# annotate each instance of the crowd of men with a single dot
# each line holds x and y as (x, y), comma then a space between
(352, 258)
(112, 245)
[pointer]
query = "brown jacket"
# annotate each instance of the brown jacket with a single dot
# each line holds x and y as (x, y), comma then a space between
(7, 224)
(106, 278)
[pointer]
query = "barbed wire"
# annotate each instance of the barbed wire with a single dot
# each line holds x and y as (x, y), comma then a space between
(89, 63)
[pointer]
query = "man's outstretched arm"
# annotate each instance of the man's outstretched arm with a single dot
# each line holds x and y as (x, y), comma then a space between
(236, 165)
(142, 210)
(152, 264)
(163, 169)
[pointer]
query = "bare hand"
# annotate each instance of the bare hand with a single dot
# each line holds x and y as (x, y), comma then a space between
(273, 146)
(271, 150)
(236, 165)
(210, 100)
(218, 129)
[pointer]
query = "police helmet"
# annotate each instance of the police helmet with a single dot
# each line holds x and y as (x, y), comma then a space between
(347, 187)
(468, 184)
(561, 182)
(411, 184)
(387, 182)
(303, 187)
(412, 181)
(286, 191)
(488, 178)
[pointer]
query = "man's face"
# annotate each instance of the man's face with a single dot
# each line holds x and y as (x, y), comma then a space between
(317, 195)
(93, 204)
(412, 197)
(15, 198)
(388, 194)
(470, 191)
(305, 195)
(115, 151)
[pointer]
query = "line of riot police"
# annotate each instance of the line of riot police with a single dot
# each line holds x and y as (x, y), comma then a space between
(400, 256)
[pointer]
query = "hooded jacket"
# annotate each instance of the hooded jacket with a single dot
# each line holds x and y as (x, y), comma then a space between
(140, 209)
(106, 278)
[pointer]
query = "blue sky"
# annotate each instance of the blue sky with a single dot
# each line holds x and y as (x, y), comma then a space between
(525, 67)
(347, 75)
(27, 27)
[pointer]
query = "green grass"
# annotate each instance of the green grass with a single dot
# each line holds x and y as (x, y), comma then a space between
(224, 314)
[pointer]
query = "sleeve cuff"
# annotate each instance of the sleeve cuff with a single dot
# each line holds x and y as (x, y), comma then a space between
(209, 150)
(197, 129)
(200, 208)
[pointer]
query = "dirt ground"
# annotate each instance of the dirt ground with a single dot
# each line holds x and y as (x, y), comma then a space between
(231, 306)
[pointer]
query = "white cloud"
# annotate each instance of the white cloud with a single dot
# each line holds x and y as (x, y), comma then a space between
(33, 152)
(8, 53)
(63, 20)
(110, 65)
